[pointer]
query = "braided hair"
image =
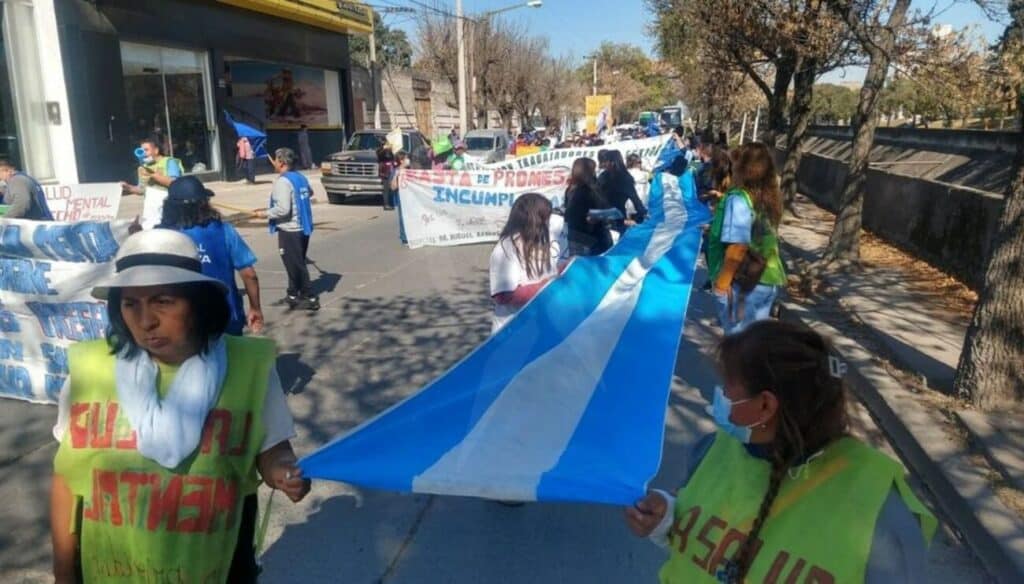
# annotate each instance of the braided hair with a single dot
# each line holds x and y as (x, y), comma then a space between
(791, 361)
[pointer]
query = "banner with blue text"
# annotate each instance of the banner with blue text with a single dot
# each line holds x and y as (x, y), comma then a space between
(443, 208)
(47, 271)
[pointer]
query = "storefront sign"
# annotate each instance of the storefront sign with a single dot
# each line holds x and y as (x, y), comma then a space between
(47, 271)
(444, 208)
(84, 202)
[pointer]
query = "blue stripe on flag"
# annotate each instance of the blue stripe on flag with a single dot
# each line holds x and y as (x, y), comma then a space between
(390, 450)
(611, 449)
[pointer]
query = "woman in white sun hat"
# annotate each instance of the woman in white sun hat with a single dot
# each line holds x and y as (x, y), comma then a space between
(165, 429)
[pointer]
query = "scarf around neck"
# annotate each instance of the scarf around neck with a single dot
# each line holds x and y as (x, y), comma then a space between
(169, 429)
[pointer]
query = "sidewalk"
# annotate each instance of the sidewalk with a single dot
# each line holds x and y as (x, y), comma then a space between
(236, 198)
(900, 325)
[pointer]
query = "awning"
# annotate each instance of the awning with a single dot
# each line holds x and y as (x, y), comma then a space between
(339, 16)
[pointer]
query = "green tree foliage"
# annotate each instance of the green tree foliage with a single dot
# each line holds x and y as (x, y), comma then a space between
(393, 47)
(635, 82)
(833, 104)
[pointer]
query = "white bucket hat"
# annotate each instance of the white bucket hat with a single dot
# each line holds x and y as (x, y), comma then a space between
(155, 257)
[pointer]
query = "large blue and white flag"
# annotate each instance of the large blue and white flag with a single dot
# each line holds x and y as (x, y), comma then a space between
(567, 401)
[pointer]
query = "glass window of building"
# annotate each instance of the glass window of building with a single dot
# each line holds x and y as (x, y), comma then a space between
(24, 126)
(168, 95)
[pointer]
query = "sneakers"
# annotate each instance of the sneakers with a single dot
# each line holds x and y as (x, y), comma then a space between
(312, 304)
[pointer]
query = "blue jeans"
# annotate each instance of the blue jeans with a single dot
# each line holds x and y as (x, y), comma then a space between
(401, 224)
(757, 305)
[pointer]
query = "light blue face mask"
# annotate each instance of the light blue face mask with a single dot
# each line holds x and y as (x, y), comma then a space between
(720, 410)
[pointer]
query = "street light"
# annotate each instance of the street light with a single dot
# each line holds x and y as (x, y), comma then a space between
(461, 42)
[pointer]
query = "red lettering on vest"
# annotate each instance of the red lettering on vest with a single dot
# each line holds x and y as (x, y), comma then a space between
(733, 537)
(129, 443)
(104, 487)
(225, 501)
(683, 534)
(711, 524)
(794, 574)
(106, 438)
(78, 427)
(165, 504)
(223, 417)
(134, 480)
(240, 448)
(201, 499)
(819, 575)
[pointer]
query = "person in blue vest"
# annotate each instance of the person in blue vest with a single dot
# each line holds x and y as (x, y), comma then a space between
(291, 216)
(222, 251)
(23, 195)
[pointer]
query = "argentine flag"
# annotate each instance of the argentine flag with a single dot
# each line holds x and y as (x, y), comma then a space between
(567, 401)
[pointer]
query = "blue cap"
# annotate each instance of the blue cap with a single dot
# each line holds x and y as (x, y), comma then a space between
(188, 188)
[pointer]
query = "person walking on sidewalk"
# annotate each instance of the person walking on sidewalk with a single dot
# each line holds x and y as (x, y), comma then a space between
(184, 406)
(782, 482)
(291, 217)
(246, 159)
(156, 173)
(222, 251)
(743, 244)
(23, 195)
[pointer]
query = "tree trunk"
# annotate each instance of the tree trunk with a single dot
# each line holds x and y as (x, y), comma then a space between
(779, 99)
(990, 373)
(844, 243)
(799, 118)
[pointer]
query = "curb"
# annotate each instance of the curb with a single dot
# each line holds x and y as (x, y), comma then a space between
(994, 533)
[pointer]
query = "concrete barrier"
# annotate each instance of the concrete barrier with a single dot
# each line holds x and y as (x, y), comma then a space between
(937, 140)
(946, 225)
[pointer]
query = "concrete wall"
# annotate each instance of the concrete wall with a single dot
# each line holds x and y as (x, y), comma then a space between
(938, 140)
(946, 225)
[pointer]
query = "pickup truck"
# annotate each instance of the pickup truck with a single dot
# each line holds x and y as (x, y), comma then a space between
(354, 170)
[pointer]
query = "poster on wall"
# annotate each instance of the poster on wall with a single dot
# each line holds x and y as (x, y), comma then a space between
(599, 113)
(83, 202)
(282, 95)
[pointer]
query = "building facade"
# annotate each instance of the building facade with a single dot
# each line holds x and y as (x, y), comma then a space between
(117, 71)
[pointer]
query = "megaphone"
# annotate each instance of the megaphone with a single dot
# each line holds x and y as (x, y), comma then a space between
(140, 155)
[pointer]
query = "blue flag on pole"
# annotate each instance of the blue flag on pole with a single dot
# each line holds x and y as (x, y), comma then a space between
(257, 139)
(567, 401)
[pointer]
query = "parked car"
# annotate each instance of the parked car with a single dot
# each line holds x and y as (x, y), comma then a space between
(488, 145)
(354, 170)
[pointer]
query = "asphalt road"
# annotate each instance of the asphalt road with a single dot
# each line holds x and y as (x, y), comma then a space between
(391, 320)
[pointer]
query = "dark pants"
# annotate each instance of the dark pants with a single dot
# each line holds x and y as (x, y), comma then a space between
(243, 564)
(390, 195)
(293, 246)
(250, 169)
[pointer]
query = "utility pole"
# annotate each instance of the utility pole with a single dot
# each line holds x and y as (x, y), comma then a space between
(595, 74)
(461, 42)
(373, 79)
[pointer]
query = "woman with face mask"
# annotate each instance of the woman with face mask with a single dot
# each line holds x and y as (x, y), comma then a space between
(782, 492)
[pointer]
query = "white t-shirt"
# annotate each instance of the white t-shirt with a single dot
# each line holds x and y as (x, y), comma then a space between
(508, 273)
(642, 178)
(277, 418)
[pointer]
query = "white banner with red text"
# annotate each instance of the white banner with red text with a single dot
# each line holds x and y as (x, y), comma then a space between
(444, 208)
(83, 202)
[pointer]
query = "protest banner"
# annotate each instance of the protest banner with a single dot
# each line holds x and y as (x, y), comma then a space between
(567, 402)
(443, 208)
(648, 149)
(599, 113)
(83, 202)
(47, 270)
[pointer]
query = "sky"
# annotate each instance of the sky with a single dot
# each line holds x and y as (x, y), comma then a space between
(577, 27)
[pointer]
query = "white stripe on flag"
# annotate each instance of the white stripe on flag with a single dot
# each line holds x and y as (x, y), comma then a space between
(528, 427)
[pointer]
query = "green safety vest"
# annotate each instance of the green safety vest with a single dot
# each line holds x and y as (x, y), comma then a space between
(767, 245)
(820, 528)
(161, 167)
(141, 522)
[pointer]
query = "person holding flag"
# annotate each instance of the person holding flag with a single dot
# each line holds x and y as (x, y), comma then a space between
(291, 217)
(768, 481)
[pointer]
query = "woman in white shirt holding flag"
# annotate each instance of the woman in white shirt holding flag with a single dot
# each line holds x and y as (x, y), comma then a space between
(526, 256)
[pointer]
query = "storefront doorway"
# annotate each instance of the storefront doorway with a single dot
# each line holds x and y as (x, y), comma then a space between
(168, 95)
